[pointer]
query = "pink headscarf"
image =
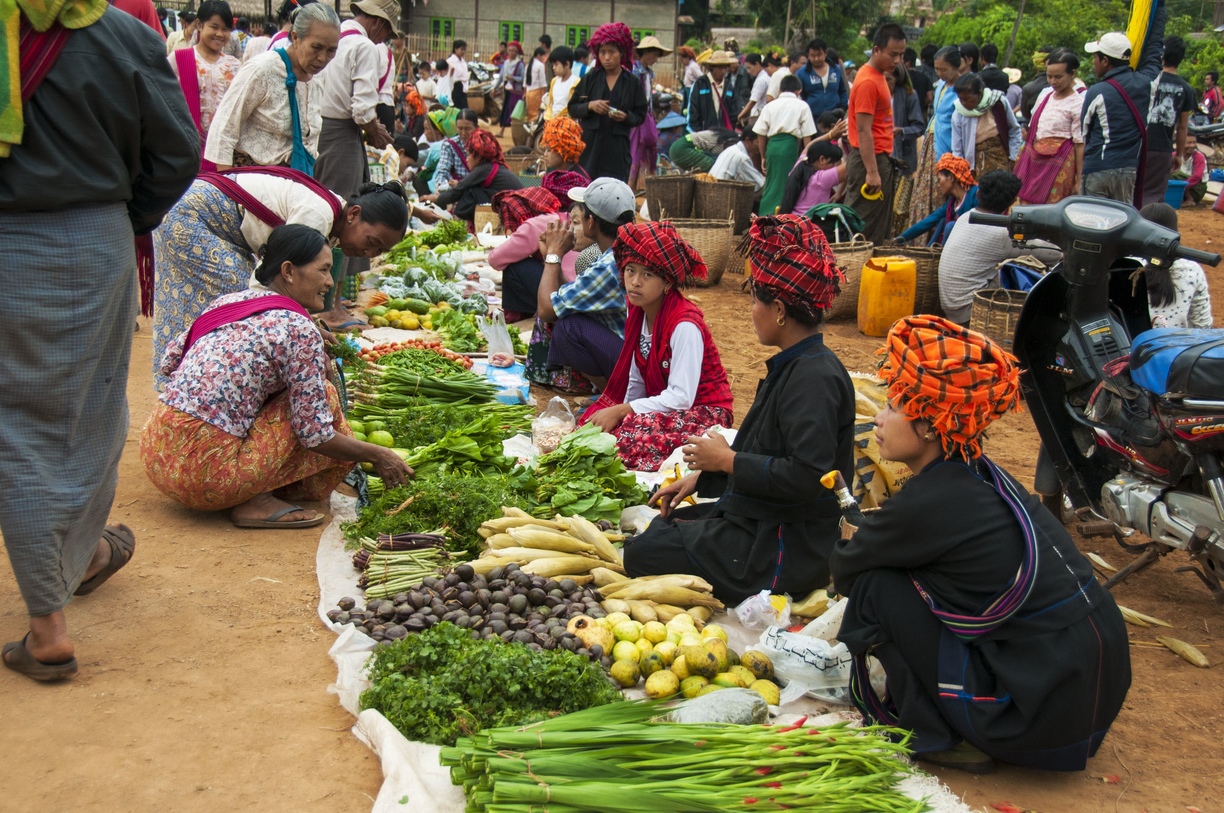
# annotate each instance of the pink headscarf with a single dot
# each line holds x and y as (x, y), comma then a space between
(617, 34)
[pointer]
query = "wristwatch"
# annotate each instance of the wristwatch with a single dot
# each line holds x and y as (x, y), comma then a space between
(552, 259)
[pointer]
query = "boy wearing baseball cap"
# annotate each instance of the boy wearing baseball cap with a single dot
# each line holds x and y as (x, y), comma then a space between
(588, 314)
(1116, 111)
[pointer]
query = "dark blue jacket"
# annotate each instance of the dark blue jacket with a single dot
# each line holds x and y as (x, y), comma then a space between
(1112, 138)
(824, 96)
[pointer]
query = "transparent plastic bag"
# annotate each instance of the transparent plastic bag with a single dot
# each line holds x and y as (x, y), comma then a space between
(501, 348)
(764, 610)
(551, 425)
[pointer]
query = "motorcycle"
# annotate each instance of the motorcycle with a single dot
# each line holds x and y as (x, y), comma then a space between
(1131, 435)
(1205, 130)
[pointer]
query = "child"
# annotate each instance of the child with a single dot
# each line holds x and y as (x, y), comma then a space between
(814, 178)
(426, 86)
(1177, 294)
(785, 127)
(409, 153)
(442, 83)
(565, 79)
(669, 383)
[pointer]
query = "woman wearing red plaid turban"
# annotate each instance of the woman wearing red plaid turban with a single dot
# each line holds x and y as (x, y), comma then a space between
(487, 175)
(774, 524)
(668, 383)
(609, 102)
(525, 214)
(997, 641)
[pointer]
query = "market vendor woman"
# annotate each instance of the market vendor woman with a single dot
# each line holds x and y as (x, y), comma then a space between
(249, 420)
(669, 383)
(774, 525)
(997, 640)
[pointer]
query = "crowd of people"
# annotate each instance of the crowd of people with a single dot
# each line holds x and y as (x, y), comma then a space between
(236, 197)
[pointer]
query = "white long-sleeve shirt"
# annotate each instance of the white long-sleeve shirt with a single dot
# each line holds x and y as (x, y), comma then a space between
(683, 375)
(734, 164)
(254, 115)
(349, 83)
(1191, 305)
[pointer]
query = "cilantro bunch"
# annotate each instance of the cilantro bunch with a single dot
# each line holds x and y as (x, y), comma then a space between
(583, 476)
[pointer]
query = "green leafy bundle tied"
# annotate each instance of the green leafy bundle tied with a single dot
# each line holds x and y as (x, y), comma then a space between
(472, 449)
(452, 503)
(583, 476)
(443, 684)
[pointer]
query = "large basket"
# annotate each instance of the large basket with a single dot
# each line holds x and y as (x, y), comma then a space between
(485, 214)
(669, 196)
(476, 104)
(718, 200)
(926, 264)
(995, 313)
(851, 257)
(713, 240)
(518, 164)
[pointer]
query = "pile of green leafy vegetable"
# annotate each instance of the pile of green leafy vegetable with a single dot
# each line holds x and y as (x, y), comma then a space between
(442, 684)
(474, 449)
(404, 376)
(583, 476)
(454, 503)
(449, 233)
(458, 331)
(429, 423)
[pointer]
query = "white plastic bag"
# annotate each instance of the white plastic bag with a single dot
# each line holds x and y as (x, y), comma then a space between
(809, 665)
(764, 610)
(551, 425)
(501, 348)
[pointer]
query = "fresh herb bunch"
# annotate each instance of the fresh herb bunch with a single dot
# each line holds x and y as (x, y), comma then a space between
(583, 476)
(442, 684)
(458, 331)
(447, 233)
(452, 503)
(426, 362)
(422, 425)
(474, 449)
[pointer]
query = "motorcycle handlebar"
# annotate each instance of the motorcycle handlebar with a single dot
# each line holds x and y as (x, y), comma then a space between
(987, 219)
(1198, 256)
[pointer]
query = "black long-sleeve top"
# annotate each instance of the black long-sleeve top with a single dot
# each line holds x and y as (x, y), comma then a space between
(108, 124)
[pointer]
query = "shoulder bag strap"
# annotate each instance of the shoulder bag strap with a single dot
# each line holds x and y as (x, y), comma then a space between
(189, 80)
(1137, 197)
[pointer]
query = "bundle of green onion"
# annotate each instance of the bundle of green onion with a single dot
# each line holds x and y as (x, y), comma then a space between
(616, 759)
(397, 387)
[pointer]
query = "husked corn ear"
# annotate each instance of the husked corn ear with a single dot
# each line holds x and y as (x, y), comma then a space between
(665, 593)
(604, 577)
(485, 564)
(666, 612)
(560, 566)
(642, 611)
(683, 579)
(614, 605)
(522, 555)
(586, 530)
(551, 540)
(500, 541)
(503, 524)
(515, 512)
(1188, 652)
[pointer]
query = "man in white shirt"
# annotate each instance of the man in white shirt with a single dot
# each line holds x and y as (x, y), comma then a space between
(775, 81)
(755, 66)
(457, 71)
(735, 163)
(565, 79)
(349, 87)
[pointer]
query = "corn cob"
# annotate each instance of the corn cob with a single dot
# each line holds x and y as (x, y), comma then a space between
(1187, 652)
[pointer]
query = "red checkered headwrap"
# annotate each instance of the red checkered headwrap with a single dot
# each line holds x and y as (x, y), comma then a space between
(483, 145)
(560, 183)
(791, 259)
(617, 34)
(956, 378)
(517, 206)
(660, 248)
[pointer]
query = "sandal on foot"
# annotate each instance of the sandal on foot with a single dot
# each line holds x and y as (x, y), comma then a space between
(962, 757)
(18, 658)
(273, 520)
(122, 545)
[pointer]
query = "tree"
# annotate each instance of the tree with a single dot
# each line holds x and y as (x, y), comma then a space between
(836, 21)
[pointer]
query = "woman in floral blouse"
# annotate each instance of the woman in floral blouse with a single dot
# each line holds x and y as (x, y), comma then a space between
(249, 420)
(204, 71)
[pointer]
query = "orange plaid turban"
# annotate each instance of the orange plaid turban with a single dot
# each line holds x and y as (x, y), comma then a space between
(958, 168)
(660, 248)
(956, 378)
(564, 136)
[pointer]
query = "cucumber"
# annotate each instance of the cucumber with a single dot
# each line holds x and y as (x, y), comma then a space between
(397, 304)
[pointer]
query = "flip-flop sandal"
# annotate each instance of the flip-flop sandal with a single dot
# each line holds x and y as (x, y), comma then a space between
(122, 545)
(273, 520)
(348, 324)
(18, 658)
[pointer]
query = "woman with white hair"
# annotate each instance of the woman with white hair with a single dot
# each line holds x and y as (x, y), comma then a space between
(270, 116)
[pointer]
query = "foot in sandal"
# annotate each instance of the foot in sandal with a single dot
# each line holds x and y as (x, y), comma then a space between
(266, 511)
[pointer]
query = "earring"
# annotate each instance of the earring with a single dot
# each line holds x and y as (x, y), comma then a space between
(780, 321)
(929, 436)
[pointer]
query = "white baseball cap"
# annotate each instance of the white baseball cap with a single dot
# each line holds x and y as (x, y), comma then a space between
(1114, 45)
(606, 198)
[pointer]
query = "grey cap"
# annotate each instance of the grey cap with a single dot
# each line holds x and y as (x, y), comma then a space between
(606, 198)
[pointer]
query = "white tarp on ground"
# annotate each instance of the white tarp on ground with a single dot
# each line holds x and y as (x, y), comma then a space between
(411, 772)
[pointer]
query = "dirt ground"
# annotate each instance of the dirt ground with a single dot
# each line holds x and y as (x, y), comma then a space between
(204, 668)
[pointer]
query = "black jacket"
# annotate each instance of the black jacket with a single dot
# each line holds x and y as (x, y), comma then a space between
(626, 95)
(702, 115)
(108, 124)
(473, 190)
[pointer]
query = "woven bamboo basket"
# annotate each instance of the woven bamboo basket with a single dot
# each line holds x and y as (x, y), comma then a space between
(476, 104)
(485, 214)
(669, 196)
(718, 200)
(851, 257)
(926, 262)
(518, 164)
(714, 241)
(995, 313)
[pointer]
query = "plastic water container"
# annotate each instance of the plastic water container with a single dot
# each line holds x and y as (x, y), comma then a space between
(1176, 193)
(886, 293)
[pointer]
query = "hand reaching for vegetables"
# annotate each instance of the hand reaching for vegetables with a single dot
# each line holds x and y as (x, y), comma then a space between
(709, 452)
(390, 467)
(668, 497)
(610, 418)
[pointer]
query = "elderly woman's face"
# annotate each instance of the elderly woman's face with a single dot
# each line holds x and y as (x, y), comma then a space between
(465, 128)
(969, 99)
(609, 57)
(311, 53)
(308, 283)
(718, 72)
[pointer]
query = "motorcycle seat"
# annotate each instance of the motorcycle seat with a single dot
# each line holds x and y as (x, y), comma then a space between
(1181, 363)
